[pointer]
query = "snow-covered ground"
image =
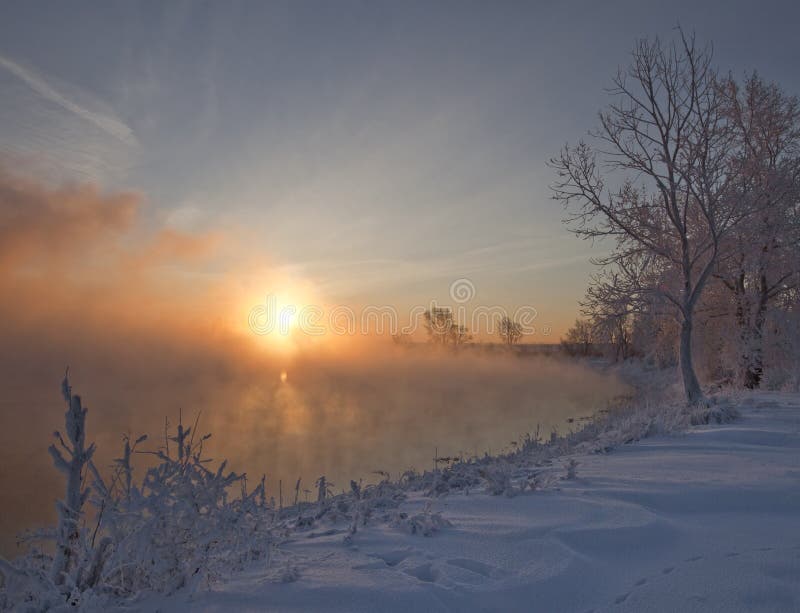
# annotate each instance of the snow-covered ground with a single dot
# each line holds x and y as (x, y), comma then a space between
(708, 520)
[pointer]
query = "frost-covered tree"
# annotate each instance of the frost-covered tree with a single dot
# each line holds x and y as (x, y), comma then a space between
(656, 178)
(654, 334)
(615, 334)
(71, 457)
(762, 261)
(579, 339)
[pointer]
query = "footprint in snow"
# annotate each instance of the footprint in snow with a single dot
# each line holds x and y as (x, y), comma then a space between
(424, 572)
(393, 558)
(370, 566)
(670, 569)
(476, 567)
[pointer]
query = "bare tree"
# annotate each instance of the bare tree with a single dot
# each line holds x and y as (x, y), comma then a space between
(579, 338)
(657, 180)
(438, 324)
(509, 330)
(443, 329)
(459, 335)
(615, 336)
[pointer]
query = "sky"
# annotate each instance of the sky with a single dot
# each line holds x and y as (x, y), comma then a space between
(167, 166)
(334, 152)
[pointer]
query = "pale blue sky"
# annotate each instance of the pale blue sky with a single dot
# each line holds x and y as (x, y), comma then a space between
(379, 149)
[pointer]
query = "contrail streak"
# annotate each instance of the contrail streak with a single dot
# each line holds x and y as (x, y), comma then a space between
(110, 125)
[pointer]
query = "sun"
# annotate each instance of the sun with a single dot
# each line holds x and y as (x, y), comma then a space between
(286, 315)
(273, 313)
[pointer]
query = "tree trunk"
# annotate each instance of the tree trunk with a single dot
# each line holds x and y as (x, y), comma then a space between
(751, 332)
(691, 385)
(754, 368)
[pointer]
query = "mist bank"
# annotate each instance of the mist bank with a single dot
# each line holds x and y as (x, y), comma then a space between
(342, 414)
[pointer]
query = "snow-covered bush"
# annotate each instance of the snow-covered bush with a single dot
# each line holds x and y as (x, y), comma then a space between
(178, 526)
(426, 523)
(41, 581)
(498, 479)
(572, 469)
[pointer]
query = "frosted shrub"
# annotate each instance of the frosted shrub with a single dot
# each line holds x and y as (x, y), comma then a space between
(426, 523)
(498, 480)
(176, 526)
(69, 570)
(179, 526)
(44, 582)
(572, 469)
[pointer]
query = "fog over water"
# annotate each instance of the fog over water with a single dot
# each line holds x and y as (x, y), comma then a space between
(343, 417)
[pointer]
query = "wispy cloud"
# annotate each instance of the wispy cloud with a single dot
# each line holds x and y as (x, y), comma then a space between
(357, 276)
(109, 124)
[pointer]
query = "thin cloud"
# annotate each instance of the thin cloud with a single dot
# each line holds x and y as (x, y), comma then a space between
(554, 263)
(110, 125)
